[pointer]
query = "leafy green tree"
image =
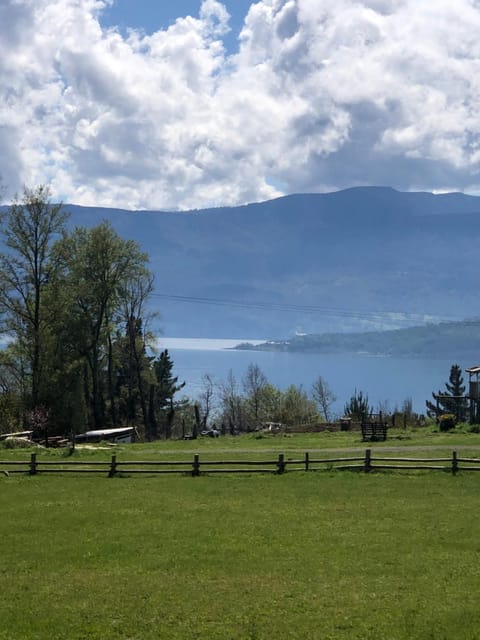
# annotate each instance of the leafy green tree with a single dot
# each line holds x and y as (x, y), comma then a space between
(296, 407)
(254, 381)
(12, 392)
(358, 407)
(74, 308)
(98, 264)
(28, 268)
(270, 400)
(452, 399)
(185, 419)
(133, 370)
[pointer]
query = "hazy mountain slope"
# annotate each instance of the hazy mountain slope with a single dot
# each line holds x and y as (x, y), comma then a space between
(358, 250)
(453, 339)
(361, 250)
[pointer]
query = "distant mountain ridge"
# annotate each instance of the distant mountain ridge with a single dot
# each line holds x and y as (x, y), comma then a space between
(447, 339)
(313, 262)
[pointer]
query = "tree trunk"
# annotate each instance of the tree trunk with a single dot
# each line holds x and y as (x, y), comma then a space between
(111, 390)
(152, 418)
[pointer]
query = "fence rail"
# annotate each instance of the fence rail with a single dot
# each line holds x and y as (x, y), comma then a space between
(278, 465)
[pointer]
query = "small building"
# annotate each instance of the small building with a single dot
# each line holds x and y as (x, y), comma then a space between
(120, 435)
(474, 393)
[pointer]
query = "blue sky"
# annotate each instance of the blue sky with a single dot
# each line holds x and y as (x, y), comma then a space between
(152, 15)
(135, 105)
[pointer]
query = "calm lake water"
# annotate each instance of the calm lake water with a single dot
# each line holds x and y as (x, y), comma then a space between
(385, 379)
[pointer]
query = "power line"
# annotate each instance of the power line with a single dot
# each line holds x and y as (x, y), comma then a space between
(274, 306)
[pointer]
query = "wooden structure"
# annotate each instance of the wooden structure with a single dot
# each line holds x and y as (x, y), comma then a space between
(374, 428)
(474, 393)
(120, 435)
(281, 464)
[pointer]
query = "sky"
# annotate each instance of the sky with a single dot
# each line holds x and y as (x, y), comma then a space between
(152, 104)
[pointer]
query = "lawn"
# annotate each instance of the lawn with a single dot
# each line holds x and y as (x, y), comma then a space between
(332, 555)
(424, 440)
(254, 448)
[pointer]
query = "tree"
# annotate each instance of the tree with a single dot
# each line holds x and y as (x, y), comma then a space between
(452, 399)
(254, 381)
(232, 403)
(98, 265)
(133, 365)
(28, 268)
(323, 396)
(12, 391)
(407, 407)
(73, 306)
(162, 393)
(296, 407)
(206, 398)
(358, 407)
(271, 403)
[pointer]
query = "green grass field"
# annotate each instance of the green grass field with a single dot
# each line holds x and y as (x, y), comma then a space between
(422, 439)
(331, 555)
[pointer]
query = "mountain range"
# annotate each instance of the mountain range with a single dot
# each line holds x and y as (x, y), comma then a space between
(361, 259)
(455, 340)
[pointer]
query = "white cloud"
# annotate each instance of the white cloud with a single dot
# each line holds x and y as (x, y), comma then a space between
(321, 94)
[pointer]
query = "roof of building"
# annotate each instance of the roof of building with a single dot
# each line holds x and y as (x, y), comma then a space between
(106, 432)
(473, 369)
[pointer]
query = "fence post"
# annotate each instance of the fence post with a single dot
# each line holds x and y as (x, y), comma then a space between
(454, 462)
(33, 464)
(113, 466)
(196, 465)
(368, 460)
(307, 461)
(281, 463)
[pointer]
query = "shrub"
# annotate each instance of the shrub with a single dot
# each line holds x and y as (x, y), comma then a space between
(13, 442)
(358, 407)
(447, 422)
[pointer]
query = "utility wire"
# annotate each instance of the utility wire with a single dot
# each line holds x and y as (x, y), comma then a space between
(274, 306)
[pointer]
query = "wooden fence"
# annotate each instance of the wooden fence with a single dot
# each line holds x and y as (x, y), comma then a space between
(278, 465)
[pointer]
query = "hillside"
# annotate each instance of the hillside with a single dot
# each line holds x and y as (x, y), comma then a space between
(447, 339)
(314, 262)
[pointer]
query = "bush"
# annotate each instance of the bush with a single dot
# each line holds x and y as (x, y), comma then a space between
(16, 443)
(358, 407)
(447, 422)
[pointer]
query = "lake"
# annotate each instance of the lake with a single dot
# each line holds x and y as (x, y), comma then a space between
(385, 379)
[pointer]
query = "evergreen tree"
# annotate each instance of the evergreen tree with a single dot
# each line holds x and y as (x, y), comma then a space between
(358, 407)
(452, 399)
(162, 393)
(132, 373)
